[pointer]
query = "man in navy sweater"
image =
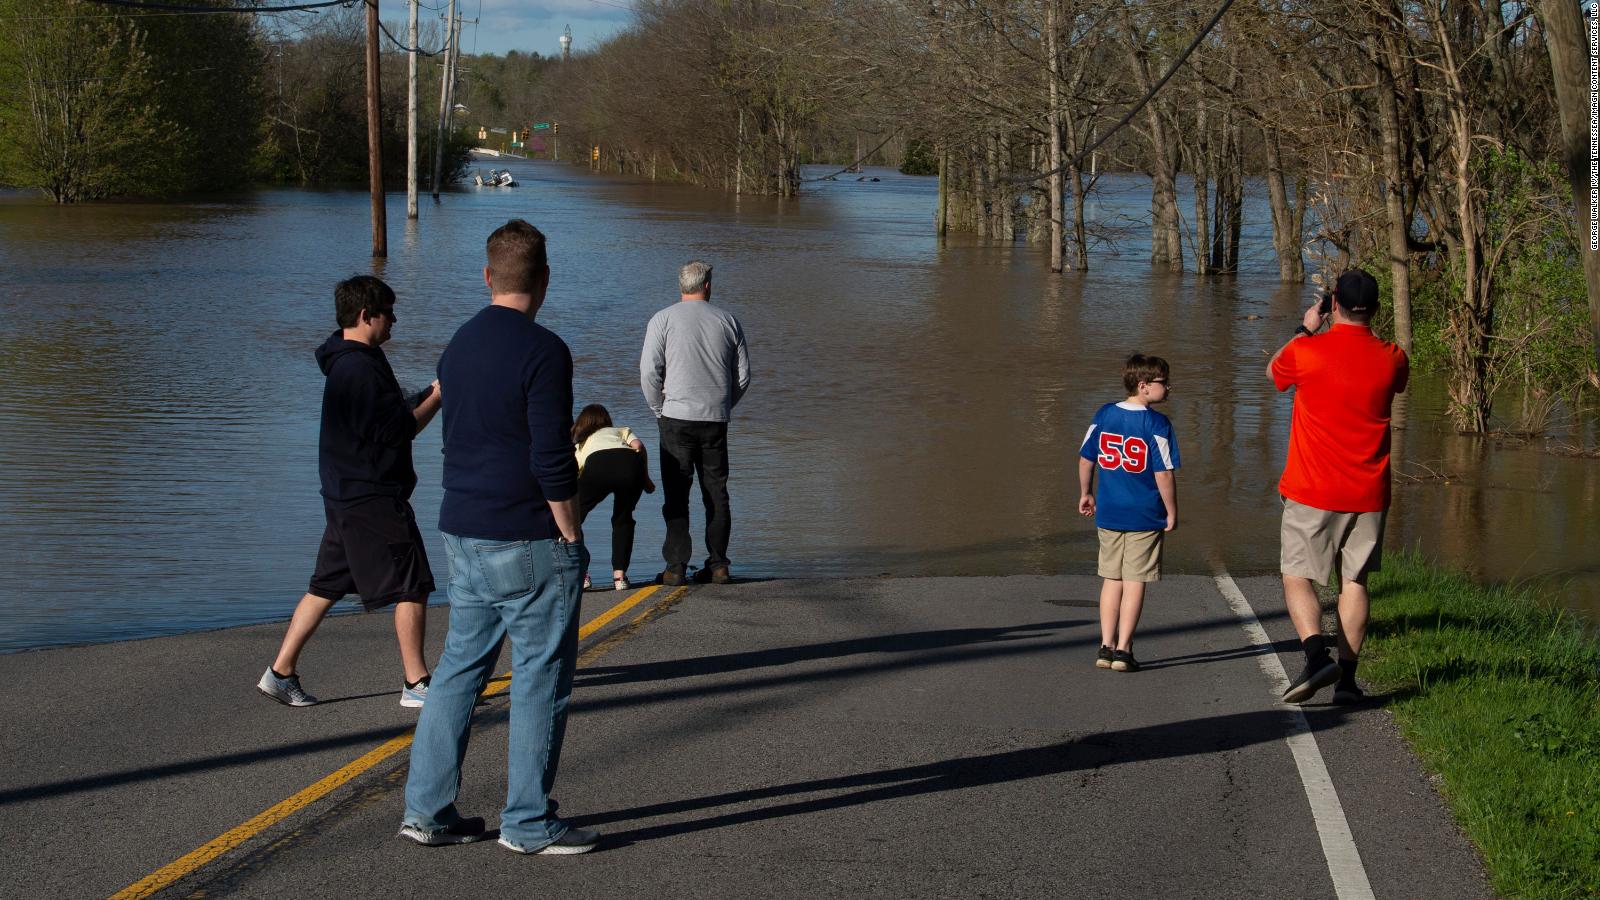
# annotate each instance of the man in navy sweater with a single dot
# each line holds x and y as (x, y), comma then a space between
(511, 532)
(371, 546)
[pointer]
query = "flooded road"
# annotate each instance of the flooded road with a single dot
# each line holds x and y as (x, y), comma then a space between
(916, 408)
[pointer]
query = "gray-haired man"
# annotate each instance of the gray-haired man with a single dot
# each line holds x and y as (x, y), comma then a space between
(694, 369)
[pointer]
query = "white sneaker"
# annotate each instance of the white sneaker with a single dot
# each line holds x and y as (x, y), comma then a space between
(284, 690)
(466, 831)
(622, 583)
(414, 697)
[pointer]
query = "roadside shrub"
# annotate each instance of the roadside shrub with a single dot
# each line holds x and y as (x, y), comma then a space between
(1540, 354)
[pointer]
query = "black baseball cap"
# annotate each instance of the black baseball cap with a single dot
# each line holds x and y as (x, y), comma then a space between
(1357, 291)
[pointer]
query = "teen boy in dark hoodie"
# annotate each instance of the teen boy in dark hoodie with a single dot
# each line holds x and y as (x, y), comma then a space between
(371, 546)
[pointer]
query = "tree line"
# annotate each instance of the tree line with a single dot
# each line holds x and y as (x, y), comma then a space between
(1439, 143)
(103, 102)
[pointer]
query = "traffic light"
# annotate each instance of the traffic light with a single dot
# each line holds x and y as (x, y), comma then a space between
(555, 127)
(595, 154)
(525, 134)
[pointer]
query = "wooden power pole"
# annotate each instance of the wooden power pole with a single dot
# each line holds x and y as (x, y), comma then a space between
(411, 117)
(455, 73)
(380, 227)
(444, 98)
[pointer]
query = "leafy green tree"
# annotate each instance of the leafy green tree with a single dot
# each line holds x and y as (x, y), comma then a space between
(79, 110)
(209, 92)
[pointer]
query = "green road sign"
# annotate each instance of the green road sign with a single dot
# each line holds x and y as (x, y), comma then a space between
(540, 126)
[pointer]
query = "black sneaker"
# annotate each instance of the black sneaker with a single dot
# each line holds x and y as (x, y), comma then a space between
(1349, 694)
(673, 577)
(1123, 661)
(1102, 660)
(1318, 674)
(712, 575)
(463, 832)
(573, 840)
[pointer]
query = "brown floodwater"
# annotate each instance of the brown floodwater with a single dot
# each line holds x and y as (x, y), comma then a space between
(916, 406)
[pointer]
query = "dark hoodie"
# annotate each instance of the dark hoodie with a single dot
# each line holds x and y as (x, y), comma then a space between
(367, 426)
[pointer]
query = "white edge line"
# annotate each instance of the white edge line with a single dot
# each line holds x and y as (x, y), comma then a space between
(1333, 829)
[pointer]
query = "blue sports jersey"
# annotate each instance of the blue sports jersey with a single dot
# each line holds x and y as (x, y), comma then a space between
(1130, 444)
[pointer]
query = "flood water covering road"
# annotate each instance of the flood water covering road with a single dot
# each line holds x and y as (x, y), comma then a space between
(916, 407)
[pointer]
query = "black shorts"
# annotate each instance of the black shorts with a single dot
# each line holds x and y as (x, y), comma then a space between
(372, 549)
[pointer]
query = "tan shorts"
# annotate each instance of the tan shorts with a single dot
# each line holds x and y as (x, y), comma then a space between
(1311, 539)
(1130, 555)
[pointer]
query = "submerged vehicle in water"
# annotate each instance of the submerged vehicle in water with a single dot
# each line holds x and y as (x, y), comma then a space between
(495, 178)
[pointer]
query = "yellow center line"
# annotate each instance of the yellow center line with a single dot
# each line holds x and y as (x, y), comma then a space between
(172, 872)
(605, 618)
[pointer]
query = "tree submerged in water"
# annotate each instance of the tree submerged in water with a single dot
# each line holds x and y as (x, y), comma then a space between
(96, 104)
(78, 112)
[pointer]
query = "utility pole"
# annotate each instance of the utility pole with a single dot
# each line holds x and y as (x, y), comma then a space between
(444, 98)
(411, 118)
(380, 226)
(455, 73)
(555, 127)
(455, 65)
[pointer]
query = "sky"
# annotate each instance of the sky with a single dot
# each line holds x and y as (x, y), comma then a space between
(531, 26)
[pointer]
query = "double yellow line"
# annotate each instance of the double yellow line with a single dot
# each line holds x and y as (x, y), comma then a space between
(172, 872)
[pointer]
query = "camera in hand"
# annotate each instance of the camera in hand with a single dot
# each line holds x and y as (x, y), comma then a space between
(415, 398)
(1326, 305)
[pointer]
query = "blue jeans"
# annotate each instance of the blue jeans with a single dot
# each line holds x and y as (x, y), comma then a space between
(527, 590)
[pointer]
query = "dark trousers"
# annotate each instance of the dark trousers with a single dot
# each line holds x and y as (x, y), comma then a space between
(617, 473)
(689, 449)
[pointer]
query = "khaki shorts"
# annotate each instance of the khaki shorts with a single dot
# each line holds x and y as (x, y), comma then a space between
(1311, 539)
(1130, 555)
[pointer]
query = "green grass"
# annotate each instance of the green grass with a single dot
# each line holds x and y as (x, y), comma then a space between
(1501, 698)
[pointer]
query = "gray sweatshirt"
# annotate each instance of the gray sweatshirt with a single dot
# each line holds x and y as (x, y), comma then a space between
(695, 365)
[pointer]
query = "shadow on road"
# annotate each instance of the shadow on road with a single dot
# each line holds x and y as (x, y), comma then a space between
(1173, 740)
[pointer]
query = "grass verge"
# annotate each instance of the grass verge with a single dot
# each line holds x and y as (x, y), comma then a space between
(1501, 698)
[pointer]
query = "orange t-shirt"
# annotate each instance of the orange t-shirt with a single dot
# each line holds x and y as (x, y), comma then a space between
(1344, 381)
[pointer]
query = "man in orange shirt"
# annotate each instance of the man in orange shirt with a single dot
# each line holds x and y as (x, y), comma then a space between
(1335, 486)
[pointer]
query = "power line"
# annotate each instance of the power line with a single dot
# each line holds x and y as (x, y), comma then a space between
(402, 47)
(1128, 117)
(174, 7)
(148, 15)
(153, 14)
(857, 163)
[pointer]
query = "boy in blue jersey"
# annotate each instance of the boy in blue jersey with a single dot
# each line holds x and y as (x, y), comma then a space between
(1134, 448)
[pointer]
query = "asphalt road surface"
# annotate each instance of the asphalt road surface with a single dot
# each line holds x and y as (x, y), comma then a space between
(863, 738)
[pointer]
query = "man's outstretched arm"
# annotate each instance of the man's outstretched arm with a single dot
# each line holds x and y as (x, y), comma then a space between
(428, 406)
(1311, 321)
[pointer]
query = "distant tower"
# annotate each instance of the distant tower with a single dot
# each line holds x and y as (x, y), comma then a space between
(566, 44)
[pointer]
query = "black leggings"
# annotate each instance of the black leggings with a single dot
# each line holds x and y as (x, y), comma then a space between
(620, 472)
